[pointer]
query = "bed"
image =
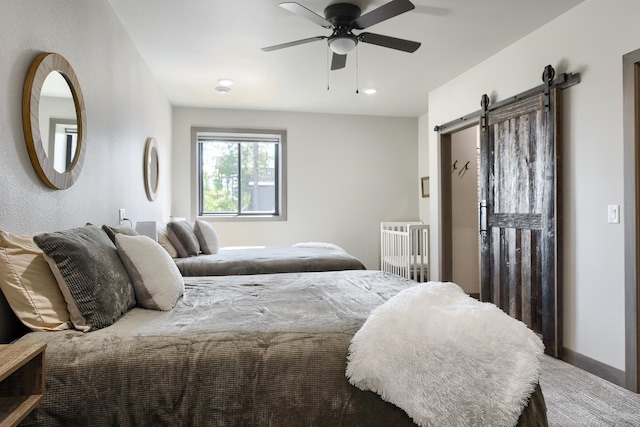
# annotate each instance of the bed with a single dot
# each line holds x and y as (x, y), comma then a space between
(301, 257)
(258, 350)
(197, 251)
(404, 249)
(244, 350)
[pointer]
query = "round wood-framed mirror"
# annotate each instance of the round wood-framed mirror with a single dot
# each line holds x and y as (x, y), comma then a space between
(39, 114)
(151, 168)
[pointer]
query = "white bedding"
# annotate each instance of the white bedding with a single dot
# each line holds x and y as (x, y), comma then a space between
(445, 358)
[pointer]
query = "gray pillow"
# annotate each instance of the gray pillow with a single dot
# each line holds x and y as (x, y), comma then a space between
(207, 237)
(112, 231)
(93, 281)
(182, 237)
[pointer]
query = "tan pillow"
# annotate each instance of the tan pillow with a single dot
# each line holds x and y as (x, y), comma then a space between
(163, 239)
(29, 285)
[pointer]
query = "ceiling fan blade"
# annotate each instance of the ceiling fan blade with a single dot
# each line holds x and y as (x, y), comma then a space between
(390, 42)
(338, 61)
(306, 13)
(384, 12)
(294, 43)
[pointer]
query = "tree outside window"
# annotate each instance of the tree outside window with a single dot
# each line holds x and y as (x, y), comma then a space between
(239, 175)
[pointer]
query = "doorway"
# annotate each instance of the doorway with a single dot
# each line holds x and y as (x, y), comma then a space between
(460, 259)
(521, 203)
(464, 209)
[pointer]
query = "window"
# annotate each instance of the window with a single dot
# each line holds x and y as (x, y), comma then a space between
(240, 173)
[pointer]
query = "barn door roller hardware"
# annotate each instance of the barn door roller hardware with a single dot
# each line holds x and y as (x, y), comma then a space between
(484, 103)
(562, 81)
(547, 77)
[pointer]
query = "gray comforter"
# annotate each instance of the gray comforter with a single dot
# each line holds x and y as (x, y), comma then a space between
(266, 260)
(264, 350)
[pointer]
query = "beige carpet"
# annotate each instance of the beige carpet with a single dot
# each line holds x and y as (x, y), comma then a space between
(577, 398)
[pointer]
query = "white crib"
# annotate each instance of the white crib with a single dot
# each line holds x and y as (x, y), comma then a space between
(404, 249)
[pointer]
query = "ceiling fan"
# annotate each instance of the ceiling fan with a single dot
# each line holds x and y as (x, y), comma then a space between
(342, 19)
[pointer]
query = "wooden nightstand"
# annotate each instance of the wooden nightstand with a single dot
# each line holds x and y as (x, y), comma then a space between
(22, 373)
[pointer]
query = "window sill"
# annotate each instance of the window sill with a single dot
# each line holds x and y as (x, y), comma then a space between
(237, 218)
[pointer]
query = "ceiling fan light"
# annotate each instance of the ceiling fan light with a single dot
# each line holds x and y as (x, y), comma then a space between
(342, 45)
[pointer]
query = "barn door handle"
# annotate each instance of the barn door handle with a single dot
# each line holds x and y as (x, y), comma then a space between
(482, 217)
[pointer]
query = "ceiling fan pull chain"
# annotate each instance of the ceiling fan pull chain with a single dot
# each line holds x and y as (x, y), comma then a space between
(328, 67)
(357, 72)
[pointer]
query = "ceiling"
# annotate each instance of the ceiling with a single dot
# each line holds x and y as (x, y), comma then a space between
(188, 45)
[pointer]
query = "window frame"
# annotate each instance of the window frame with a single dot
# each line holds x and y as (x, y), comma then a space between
(238, 134)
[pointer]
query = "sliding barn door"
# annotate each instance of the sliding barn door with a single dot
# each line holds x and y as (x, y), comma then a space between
(518, 212)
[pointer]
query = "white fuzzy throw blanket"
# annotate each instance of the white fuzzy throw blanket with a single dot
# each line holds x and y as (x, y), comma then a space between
(446, 359)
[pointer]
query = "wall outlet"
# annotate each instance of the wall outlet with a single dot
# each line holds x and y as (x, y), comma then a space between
(121, 215)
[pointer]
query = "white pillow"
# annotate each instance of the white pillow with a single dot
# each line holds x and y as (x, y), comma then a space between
(156, 279)
(207, 237)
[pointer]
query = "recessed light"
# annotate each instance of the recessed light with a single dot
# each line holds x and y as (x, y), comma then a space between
(225, 82)
(223, 89)
(370, 91)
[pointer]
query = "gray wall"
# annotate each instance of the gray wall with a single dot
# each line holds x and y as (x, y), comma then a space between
(582, 40)
(124, 106)
(345, 175)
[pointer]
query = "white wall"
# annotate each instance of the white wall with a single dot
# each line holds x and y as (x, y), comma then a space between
(345, 175)
(423, 155)
(590, 39)
(124, 106)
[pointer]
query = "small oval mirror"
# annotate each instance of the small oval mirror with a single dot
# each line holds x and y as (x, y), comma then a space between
(46, 113)
(151, 168)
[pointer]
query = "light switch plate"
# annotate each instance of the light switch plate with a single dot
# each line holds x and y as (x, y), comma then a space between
(614, 214)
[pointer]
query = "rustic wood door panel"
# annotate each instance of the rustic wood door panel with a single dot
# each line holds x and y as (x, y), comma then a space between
(518, 190)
